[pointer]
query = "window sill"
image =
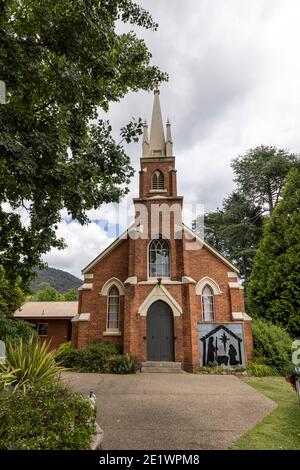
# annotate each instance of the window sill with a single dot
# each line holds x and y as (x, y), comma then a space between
(158, 191)
(112, 333)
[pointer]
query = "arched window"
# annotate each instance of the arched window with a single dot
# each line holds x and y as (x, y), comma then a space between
(113, 309)
(159, 258)
(157, 180)
(208, 306)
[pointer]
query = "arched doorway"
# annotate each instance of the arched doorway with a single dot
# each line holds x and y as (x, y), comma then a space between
(160, 332)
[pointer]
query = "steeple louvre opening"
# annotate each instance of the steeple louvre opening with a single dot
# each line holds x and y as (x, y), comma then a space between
(157, 180)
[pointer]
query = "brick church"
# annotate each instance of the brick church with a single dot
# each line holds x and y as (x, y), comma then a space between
(159, 291)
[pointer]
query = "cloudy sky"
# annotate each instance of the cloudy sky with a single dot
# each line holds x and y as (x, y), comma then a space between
(234, 68)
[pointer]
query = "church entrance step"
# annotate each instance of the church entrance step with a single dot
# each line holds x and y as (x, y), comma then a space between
(161, 367)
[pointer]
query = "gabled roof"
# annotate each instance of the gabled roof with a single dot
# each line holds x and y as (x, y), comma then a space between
(124, 236)
(218, 328)
(59, 310)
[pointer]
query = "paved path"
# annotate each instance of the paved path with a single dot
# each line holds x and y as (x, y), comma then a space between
(172, 411)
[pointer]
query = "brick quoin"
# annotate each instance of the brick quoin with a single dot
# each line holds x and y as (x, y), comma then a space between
(125, 264)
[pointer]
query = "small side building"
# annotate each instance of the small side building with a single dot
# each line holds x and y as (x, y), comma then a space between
(52, 320)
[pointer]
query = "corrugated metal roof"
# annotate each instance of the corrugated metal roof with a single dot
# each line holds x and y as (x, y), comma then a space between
(47, 310)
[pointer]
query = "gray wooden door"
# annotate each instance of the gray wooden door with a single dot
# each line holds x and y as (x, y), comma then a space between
(160, 332)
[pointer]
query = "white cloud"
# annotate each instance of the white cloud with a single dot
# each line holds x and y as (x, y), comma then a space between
(84, 243)
(234, 71)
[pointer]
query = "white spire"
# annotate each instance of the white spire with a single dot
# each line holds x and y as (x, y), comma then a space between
(157, 136)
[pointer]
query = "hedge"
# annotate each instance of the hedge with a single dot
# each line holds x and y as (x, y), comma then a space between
(45, 418)
(272, 345)
(98, 357)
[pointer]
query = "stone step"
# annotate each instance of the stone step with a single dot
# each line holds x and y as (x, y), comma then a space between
(175, 365)
(161, 370)
(161, 367)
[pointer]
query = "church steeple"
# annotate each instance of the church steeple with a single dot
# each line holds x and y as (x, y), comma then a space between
(157, 136)
(158, 172)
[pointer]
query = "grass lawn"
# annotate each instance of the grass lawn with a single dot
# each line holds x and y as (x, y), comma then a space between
(279, 430)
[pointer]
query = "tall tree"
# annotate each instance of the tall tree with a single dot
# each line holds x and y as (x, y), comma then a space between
(260, 174)
(274, 287)
(63, 62)
(11, 295)
(235, 231)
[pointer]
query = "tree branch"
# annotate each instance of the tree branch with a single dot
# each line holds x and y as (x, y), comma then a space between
(43, 106)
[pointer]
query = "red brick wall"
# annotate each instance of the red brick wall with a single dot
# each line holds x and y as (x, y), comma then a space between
(91, 301)
(166, 166)
(59, 331)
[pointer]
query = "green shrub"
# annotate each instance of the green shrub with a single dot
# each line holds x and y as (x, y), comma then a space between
(98, 357)
(272, 345)
(29, 363)
(45, 418)
(11, 330)
(121, 365)
(261, 370)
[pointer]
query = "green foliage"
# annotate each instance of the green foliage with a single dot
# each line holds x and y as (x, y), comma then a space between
(274, 287)
(213, 368)
(63, 64)
(29, 363)
(235, 230)
(261, 370)
(120, 364)
(11, 294)
(272, 345)
(45, 418)
(71, 294)
(47, 293)
(260, 174)
(98, 357)
(12, 330)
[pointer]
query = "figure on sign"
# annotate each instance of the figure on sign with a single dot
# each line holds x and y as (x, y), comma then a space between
(211, 356)
(232, 356)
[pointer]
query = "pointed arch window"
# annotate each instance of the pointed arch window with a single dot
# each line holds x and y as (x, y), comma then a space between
(157, 180)
(208, 304)
(159, 258)
(113, 309)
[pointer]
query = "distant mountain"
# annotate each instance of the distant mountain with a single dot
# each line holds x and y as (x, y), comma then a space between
(60, 280)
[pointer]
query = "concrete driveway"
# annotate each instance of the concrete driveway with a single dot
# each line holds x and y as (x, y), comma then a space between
(172, 411)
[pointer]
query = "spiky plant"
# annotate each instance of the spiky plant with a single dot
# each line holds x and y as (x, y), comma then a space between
(29, 363)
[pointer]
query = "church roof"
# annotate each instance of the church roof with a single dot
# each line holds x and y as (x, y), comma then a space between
(47, 309)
